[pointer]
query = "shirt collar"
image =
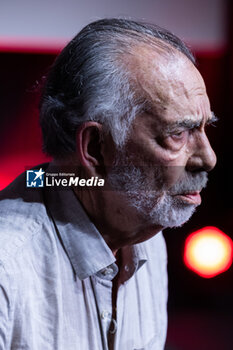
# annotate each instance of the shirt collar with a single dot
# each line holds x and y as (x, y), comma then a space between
(84, 245)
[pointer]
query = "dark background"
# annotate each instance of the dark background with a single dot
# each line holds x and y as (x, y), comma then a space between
(200, 310)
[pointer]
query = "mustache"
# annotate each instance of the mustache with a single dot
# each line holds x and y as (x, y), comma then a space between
(192, 182)
(152, 178)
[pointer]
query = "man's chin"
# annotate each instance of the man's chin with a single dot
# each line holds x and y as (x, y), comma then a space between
(169, 217)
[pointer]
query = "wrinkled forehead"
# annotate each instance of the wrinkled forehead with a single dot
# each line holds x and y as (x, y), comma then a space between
(159, 63)
(168, 81)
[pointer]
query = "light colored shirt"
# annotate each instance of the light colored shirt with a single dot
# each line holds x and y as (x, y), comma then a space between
(56, 275)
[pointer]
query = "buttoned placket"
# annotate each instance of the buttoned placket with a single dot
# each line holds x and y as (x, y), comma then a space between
(102, 284)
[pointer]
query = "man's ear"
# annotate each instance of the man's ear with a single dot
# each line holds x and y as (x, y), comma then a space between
(88, 145)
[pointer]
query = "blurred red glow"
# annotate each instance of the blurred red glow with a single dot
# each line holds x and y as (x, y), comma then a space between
(208, 252)
(14, 165)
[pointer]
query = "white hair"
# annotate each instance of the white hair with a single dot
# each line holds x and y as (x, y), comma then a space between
(90, 81)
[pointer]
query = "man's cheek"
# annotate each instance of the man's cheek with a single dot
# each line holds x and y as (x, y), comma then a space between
(171, 175)
(167, 155)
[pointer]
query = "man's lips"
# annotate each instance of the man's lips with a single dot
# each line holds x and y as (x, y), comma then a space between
(191, 197)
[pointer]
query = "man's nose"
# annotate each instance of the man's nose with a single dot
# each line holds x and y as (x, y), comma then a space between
(203, 157)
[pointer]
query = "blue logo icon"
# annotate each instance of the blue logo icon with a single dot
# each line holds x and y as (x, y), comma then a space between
(35, 178)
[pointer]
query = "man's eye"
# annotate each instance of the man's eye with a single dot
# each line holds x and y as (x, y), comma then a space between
(179, 136)
(175, 140)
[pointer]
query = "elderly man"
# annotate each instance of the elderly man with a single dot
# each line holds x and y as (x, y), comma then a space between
(85, 267)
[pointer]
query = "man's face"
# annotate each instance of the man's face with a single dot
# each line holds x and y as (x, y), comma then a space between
(163, 167)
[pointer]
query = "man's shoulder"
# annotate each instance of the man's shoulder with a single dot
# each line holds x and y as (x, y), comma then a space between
(22, 215)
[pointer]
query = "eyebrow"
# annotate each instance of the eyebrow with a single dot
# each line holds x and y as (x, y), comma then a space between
(190, 123)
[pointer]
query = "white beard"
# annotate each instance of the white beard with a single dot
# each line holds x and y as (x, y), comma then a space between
(155, 206)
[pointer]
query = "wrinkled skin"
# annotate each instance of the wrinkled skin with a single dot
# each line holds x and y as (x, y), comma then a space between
(170, 136)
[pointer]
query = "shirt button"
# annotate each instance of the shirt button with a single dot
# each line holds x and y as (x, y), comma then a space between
(108, 271)
(126, 268)
(105, 314)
